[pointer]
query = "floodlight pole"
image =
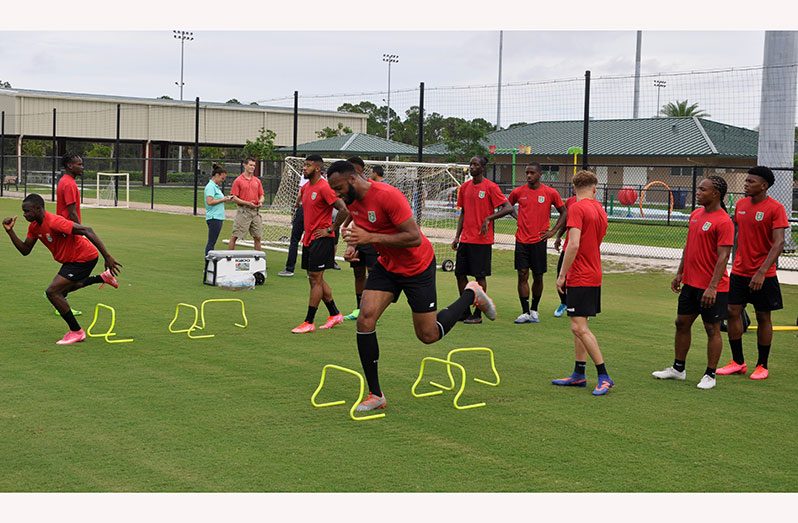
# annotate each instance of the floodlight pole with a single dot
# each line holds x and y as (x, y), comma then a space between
(182, 36)
(390, 59)
(659, 84)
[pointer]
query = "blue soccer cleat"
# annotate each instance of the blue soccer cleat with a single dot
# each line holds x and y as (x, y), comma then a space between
(603, 386)
(574, 380)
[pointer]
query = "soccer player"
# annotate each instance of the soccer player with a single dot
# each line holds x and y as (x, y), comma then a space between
(377, 173)
(560, 310)
(67, 195)
(535, 201)
(248, 195)
(477, 199)
(73, 245)
(581, 269)
(366, 256)
(761, 222)
(702, 280)
(318, 242)
(406, 263)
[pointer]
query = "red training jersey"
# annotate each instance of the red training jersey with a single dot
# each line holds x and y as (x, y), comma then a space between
(755, 224)
(55, 233)
(534, 211)
(248, 190)
(381, 211)
(589, 217)
(66, 194)
(317, 202)
(477, 201)
(707, 232)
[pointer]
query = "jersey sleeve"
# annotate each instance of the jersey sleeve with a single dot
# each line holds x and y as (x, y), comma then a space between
(780, 220)
(575, 217)
(555, 198)
(726, 233)
(396, 207)
(61, 224)
(328, 194)
(460, 196)
(497, 197)
(513, 198)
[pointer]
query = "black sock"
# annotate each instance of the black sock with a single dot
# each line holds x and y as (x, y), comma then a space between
(602, 370)
(710, 372)
(678, 365)
(358, 297)
(535, 303)
(311, 315)
(524, 304)
(580, 367)
(477, 313)
(764, 352)
(562, 297)
(737, 351)
(91, 280)
(453, 313)
(333, 310)
(70, 320)
(369, 351)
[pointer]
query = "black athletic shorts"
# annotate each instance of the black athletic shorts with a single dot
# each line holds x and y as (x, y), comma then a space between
(319, 255)
(531, 256)
(473, 259)
(368, 257)
(77, 271)
(690, 304)
(768, 298)
(583, 301)
(419, 289)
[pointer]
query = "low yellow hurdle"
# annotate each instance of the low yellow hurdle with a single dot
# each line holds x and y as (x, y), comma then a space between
(459, 393)
(452, 352)
(341, 402)
(199, 318)
(110, 332)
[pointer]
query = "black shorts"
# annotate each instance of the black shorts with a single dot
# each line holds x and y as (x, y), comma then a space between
(583, 301)
(531, 256)
(473, 259)
(368, 257)
(77, 271)
(690, 305)
(768, 298)
(319, 255)
(419, 289)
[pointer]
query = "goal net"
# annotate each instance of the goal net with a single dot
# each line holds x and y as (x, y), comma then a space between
(113, 190)
(430, 188)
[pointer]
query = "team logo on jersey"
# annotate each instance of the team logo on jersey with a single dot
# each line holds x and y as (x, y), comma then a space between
(313, 195)
(481, 194)
(49, 238)
(706, 226)
(759, 216)
(541, 199)
(372, 216)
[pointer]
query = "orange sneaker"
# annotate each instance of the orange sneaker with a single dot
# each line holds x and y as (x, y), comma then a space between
(732, 368)
(109, 278)
(372, 402)
(760, 373)
(304, 328)
(332, 321)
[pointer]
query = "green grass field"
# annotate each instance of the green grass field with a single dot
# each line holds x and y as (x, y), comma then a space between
(233, 413)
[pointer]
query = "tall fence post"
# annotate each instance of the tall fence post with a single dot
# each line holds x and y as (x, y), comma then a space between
(421, 123)
(117, 152)
(3, 151)
(695, 181)
(196, 152)
(296, 121)
(586, 121)
(55, 150)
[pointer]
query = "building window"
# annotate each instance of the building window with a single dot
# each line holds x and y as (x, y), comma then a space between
(685, 171)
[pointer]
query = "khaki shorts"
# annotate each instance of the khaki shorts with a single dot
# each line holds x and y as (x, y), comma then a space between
(247, 220)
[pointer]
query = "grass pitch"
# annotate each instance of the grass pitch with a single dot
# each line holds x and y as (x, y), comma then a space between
(233, 413)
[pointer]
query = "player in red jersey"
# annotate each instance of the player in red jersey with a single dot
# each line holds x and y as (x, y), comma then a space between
(702, 280)
(477, 199)
(67, 195)
(318, 242)
(535, 201)
(560, 310)
(75, 246)
(761, 223)
(581, 269)
(406, 263)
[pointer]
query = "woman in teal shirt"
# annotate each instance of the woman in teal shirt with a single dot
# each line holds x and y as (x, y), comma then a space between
(214, 205)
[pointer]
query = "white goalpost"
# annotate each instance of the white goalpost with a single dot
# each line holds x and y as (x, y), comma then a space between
(113, 190)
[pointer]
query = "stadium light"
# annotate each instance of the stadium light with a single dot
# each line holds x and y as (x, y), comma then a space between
(659, 84)
(390, 59)
(182, 36)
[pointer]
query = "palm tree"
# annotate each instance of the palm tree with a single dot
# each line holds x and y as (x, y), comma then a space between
(680, 108)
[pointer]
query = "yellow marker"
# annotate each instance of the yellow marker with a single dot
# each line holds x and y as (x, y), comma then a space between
(776, 328)
(448, 364)
(341, 402)
(110, 332)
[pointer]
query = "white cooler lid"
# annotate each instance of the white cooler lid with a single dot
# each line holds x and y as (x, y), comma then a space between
(235, 254)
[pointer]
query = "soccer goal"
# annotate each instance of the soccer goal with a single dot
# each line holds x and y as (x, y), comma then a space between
(113, 190)
(430, 188)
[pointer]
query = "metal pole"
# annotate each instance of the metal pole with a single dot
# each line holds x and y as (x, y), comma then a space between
(499, 84)
(420, 157)
(55, 164)
(636, 104)
(196, 152)
(388, 116)
(117, 152)
(586, 121)
(296, 121)
(3, 150)
(695, 181)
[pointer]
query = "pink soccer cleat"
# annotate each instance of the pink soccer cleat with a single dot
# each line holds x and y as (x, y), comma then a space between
(732, 368)
(72, 337)
(304, 328)
(372, 402)
(332, 321)
(109, 278)
(760, 373)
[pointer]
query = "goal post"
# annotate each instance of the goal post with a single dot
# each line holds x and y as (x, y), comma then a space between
(113, 190)
(430, 189)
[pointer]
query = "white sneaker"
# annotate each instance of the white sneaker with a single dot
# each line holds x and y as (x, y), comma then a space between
(285, 273)
(523, 318)
(671, 374)
(706, 383)
(533, 316)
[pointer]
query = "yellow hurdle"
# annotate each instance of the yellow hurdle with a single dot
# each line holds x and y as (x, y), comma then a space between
(341, 402)
(459, 393)
(778, 328)
(452, 352)
(194, 326)
(223, 300)
(110, 332)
